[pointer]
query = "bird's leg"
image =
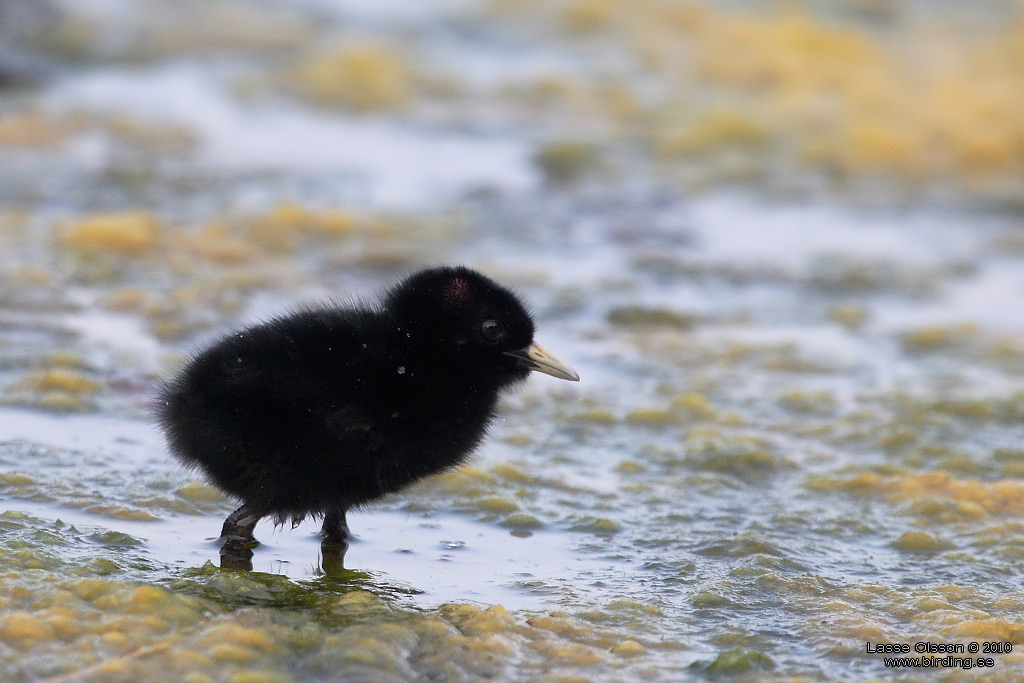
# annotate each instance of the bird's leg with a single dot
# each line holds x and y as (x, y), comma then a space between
(335, 542)
(239, 525)
(236, 553)
(335, 526)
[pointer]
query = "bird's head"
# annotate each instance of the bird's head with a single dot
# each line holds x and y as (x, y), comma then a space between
(466, 317)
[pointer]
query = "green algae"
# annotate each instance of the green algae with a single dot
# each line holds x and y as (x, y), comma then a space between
(737, 660)
(920, 541)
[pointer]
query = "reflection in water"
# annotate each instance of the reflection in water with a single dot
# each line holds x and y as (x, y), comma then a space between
(237, 535)
(237, 553)
(332, 554)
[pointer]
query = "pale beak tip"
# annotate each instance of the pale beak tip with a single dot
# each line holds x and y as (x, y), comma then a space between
(539, 359)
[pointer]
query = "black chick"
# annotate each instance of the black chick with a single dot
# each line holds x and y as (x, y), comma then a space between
(325, 409)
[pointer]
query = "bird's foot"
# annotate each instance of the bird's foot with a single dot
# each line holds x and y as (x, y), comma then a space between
(335, 530)
(239, 526)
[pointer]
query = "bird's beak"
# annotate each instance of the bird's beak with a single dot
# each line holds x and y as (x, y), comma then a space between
(537, 358)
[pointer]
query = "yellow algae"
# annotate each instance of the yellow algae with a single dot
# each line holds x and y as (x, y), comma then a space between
(540, 93)
(640, 316)
(65, 359)
(28, 274)
(519, 439)
(714, 130)
(154, 138)
(335, 223)
(145, 598)
(35, 129)
(628, 648)
(930, 604)
(732, 419)
(740, 455)
(127, 233)
(920, 541)
(500, 504)
(566, 161)
(473, 621)
(15, 479)
(154, 623)
(895, 438)
(588, 15)
(259, 677)
(597, 525)
(938, 337)
(968, 409)
(994, 628)
(873, 145)
(252, 638)
(278, 230)
(115, 670)
(363, 78)
(512, 472)
(169, 329)
(629, 467)
(281, 229)
(1003, 497)
(63, 402)
(853, 101)
(809, 402)
(489, 645)
(358, 600)
(235, 654)
(649, 416)
(560, 625)
(200, 492)
(109, 602)
(631, 605)
(66, 626)
(121, 512)
(215, 242)
(703, 434)
(695, 405)
(970, 509)
(21, 593)
(848, 315)
(196, 677)
(116, 640)
(376, 652)
(215, 27)
(89, 589)
(595, 415)
(522, 520)
(573, 654)
(240, 279)
(67, 381)
(954, 593)
(22, 628)
(128, 299)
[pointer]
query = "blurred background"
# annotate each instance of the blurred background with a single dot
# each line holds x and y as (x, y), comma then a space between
(782, 243)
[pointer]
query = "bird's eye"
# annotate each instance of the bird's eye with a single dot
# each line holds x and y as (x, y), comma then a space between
(492, 330)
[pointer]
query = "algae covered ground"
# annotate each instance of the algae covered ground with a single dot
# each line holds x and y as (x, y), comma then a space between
(783, 249)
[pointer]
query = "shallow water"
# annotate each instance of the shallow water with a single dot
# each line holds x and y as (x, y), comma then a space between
(799, 428)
